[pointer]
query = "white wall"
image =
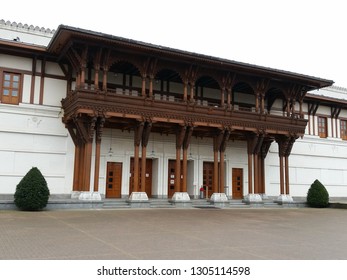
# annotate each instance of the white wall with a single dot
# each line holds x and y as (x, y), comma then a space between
(31, 136)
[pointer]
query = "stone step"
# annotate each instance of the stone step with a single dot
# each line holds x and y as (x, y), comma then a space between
(115, 204)
(160, 203)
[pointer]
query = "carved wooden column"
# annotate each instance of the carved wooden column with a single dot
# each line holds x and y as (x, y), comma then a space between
(282, 144)
(192, 86)
(263, 153)
(179, 142)
(83, 66)
(78, 160)
(104, 79)
(185, 90)
(286, 174)
(99, 128)
(257, 101)
(288, 107)
(256, 173)
(229, 98)
(145, 138)
(252, 141)
(217, 142)
(137, 141)
(97, 69)
(151, 78)
(293, 107)
(143, 88)
(78, 80)
(262, 103)
(222, 97)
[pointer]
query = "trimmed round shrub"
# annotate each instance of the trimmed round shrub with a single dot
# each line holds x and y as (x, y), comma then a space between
(32, 192)
(317, 195)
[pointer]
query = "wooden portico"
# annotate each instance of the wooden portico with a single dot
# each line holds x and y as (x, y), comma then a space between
(124, 84)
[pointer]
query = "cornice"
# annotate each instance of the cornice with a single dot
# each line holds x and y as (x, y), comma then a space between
(26, 28)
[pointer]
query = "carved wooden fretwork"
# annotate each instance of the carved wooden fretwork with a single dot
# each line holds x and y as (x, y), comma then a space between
(138, 133)
(187, 137)
(285, 144)
(146, 133)
(265, 147)
(180, 135)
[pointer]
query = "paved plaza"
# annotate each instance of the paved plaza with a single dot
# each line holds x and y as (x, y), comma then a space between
(254, 234)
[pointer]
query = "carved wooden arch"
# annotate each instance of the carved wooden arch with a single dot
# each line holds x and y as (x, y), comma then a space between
(170, 69)
(240, 82)
(114, 59)
(271, 98)
(162, 65)
(211, 74)
(245, 81)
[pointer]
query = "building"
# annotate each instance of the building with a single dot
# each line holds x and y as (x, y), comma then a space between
(104, 116)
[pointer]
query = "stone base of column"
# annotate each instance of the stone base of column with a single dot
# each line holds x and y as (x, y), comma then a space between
(138, 200)
(75, 194)
(219, 199)
(90, 196)
(252, 199)
(181, 199)
(264, 196)
(284, 199)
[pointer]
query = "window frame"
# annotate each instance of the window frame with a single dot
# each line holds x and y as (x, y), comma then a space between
(10, 99)
(322, 134)
(343, 136)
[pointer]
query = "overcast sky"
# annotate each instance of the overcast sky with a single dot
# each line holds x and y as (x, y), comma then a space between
(302, 36)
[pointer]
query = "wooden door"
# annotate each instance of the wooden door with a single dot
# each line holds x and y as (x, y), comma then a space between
(208, 178)
(148, 187)
(171, 177)
(237, 174)
(114, 180)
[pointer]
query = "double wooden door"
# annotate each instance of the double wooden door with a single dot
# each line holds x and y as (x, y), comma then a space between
(148, 187)
(207, 178)
(171, 177)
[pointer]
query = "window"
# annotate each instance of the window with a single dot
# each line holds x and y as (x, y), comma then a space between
(322, 127)
(343, 129)
(10, 89)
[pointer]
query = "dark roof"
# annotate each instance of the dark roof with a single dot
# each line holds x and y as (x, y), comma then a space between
(64, 33)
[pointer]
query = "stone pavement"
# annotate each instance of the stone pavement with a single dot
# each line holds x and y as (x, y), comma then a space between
(255, 234)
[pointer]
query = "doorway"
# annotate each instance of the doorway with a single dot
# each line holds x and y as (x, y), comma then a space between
(148, 185)
(237, 177)
(171, 177)
(114, 180)
(207, 178)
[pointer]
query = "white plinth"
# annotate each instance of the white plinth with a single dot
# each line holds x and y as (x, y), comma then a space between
(284, 198)
(252, 198)
(180, 197)
(75, 195)
(219, 197)
(138, 197)
(95, 196)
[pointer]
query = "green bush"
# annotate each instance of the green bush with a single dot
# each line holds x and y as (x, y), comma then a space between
(32, 192)
(317, 195)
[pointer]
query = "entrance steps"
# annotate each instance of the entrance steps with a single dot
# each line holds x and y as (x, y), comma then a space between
(160, 203)
(237, 203)
(202, 203)
(115, 204)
